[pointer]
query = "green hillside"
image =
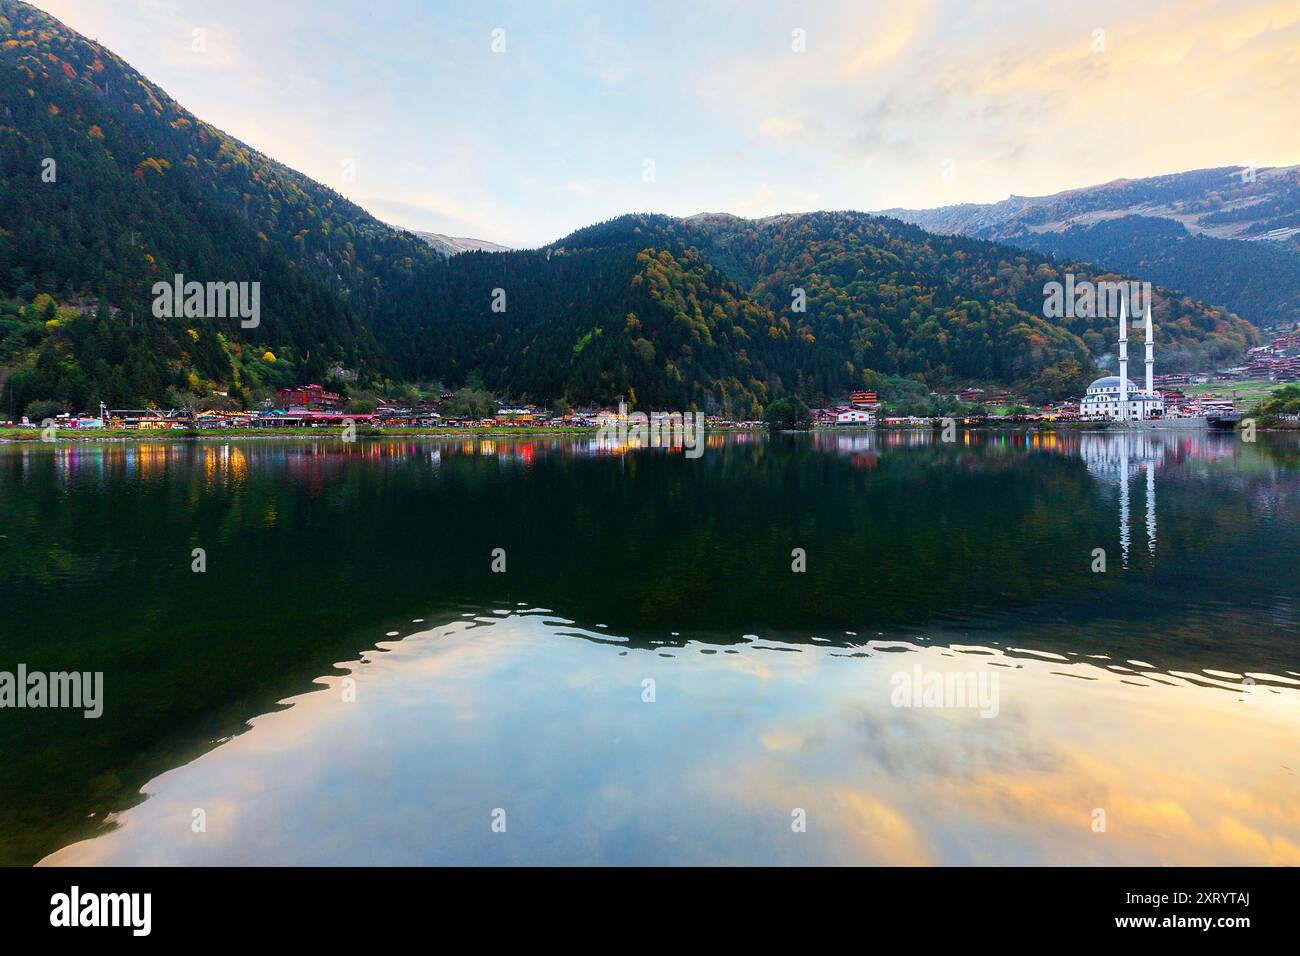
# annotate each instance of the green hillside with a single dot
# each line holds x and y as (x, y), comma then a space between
(142, 190)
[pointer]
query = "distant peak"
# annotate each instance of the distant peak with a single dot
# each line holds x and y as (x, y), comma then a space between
(453, 245)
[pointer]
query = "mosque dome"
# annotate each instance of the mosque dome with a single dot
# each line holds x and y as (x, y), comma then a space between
(1111, 381)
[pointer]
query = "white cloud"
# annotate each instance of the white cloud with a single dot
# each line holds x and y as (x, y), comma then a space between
(526, 146)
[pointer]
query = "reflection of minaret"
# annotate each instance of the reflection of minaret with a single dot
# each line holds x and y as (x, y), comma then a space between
(1151, 357)
(1118, 458)
(1123, 482)
(1151, 500)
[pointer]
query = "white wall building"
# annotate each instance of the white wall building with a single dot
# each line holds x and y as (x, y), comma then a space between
(854, 416)
(1103, 400)
(1116, 397)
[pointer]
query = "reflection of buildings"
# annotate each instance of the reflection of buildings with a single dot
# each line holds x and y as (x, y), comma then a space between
(224, 463)
(322, 460)
(1117, 459)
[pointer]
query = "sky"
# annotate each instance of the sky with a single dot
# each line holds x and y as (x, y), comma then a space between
(520, 122)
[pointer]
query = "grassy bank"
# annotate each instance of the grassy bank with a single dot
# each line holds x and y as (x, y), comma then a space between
(1250, 390)
(119, 434)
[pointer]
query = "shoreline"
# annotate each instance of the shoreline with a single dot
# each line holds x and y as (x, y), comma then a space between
(20, 436)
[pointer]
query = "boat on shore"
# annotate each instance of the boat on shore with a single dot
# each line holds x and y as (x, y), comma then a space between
(1224, 420)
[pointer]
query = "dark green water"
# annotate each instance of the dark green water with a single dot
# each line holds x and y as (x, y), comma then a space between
(523, 690)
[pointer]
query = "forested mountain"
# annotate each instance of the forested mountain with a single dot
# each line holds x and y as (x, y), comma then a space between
(1260, 280)
(673, 313)
(107, 185)
(704, 312)
(1229, 236)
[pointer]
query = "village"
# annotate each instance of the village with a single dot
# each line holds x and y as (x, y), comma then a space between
(1181, 395)
(313, 406)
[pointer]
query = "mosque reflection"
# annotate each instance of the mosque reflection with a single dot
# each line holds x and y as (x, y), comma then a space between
(1118, 460)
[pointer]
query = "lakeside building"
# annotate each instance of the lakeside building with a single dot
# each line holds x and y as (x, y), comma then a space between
(222, 419)
(854, 416)
(77, 421)
(145, 418)
(1175, 398)
(1107, 398)
(1116, 397)
(1216, 405)
(308, 397)
(306, 419)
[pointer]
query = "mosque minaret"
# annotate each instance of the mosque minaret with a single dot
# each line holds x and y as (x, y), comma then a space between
(1123, 362)
(1116, 398)
(1151, 355)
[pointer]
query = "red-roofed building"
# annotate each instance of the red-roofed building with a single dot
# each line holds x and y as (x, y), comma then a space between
(308, 396)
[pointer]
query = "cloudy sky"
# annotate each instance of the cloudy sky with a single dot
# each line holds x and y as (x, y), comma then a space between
(595, 109)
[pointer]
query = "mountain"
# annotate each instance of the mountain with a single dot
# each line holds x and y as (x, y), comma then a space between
(108, 186)
(451, 245)
(1229, 236)
(704, 312)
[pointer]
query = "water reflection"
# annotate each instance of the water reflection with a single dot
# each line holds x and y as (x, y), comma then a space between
(511, 712)
(152, 459)
(1117, 460)
(973, 554)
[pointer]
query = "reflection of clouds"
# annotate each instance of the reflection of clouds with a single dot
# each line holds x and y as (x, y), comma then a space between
(1184, 778)
(1153, 814)
(887, 835)
(747, 665)
(1275, 851)
(778, 740)
(513, 712)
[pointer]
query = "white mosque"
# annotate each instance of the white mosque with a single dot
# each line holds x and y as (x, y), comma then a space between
(1115, 397)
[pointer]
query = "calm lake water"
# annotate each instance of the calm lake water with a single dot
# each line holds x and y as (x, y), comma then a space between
(649, 681)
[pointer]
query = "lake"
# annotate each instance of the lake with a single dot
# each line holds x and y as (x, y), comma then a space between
(845, 647)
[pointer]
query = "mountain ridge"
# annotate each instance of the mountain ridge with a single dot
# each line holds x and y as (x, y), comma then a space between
(1179, 196)
(655, 296)
(453, 245)
(1229, 235)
